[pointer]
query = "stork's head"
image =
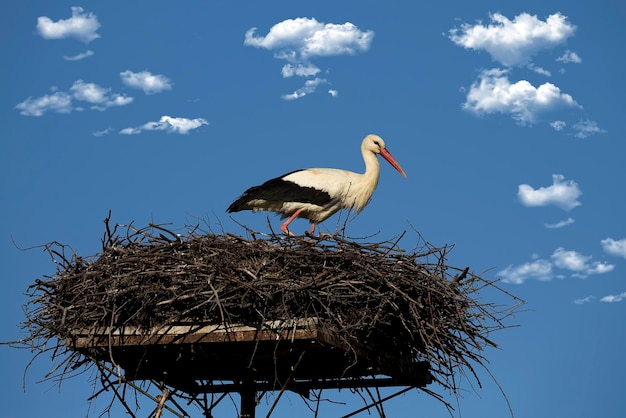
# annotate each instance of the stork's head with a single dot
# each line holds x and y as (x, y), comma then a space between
(376, 145)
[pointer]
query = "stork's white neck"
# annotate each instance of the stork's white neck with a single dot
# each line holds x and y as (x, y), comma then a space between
(363, 185)
(372, 167)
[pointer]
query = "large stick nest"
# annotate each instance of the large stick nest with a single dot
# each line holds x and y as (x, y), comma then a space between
(407, 303)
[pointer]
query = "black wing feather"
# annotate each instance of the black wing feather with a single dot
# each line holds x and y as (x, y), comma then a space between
(280, 190)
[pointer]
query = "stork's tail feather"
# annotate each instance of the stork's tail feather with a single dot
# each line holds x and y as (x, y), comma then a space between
(242, 203)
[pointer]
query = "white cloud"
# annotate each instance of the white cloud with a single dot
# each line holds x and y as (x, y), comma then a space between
(537, 269)
(569, 57)
(98, 96)
(103, 132)
(80, 56)
(82, 26)
(560, 224)
(89, 92)
(614, 247)
(333, 92)
(299, 70)
(570, 260)
(146, 81)
(299, 41)
(513, 42)
(586, 128)
(131, 131)
(59, 102)
(494, 93)
(168, 124)
(303, 38)
(562, 193)
(597, 267)
(614, 298)
(558, 125)
(582, 129)
(584, 300)
(63, 102)
(309, 87)
(579, 265)
(539, 70)
(293, 96)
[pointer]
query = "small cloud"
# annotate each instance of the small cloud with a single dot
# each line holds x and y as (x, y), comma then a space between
(614, 247)
(303, 38)
(168, 124)
(299, 70)
(102, 133)
(614, 298)
(63, 102)
(578, 263)
(80, 56)
(293, 96)
(569, 57)
(131, 131)
(539, 70)
(538, 269)
(98, 96)
(494, 93)
(59, 102)
(558, 125)
(562, 193)
(560, 224)
(146, 81)
(299, 41)
(584, 300)
(333, 93)
(585, 128)
(513, 42)
(82, 26)
(310, 86)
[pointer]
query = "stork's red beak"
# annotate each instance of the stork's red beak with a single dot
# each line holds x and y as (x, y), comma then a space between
(389, 158)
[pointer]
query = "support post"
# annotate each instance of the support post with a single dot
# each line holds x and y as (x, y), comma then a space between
(248, 399)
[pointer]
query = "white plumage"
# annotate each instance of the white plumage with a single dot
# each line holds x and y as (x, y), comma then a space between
(317, 193)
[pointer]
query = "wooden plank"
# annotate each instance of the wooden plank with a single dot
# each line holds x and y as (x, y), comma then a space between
(192, 338)
(183, 354)
(193, 334)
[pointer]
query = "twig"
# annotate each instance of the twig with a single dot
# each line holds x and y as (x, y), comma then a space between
(380, 401)
(162, 398)
(285, 385)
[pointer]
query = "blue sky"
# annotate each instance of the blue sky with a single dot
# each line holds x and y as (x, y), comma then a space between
(506, 116)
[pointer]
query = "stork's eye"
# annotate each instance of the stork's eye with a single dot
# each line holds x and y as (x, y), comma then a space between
(377, 144)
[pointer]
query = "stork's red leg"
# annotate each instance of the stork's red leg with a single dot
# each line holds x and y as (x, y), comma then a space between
(312, 228)
(285, 226)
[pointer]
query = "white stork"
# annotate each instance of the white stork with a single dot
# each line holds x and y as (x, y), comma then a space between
(317, 193)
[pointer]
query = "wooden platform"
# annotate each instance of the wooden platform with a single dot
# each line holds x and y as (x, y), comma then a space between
(295, 355)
